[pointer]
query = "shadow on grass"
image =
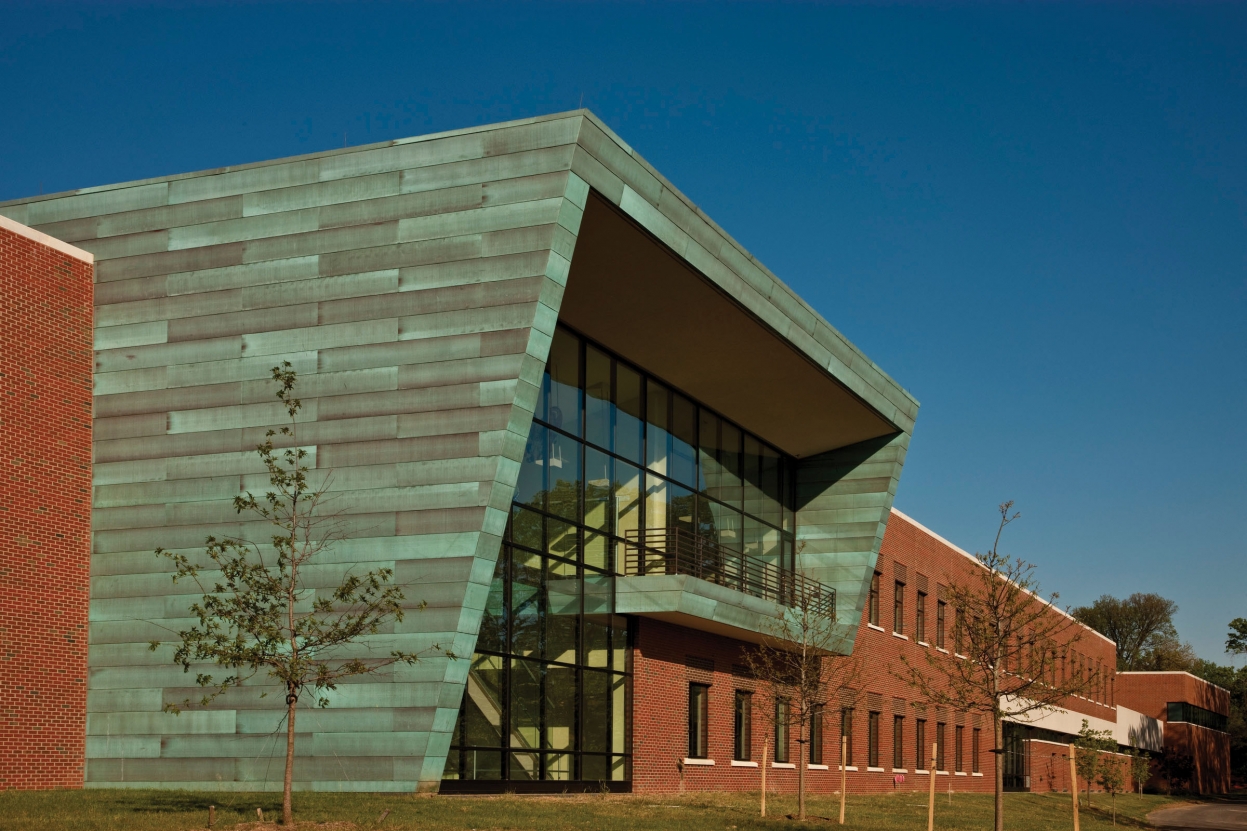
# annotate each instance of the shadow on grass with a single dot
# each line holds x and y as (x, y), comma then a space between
(189, 802)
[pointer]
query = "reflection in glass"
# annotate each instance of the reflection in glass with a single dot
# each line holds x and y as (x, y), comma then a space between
(559, 401)
(560, 714)
(599, 419)
(729, 462)
(563, 477)
(599, 474)
(627, 500)
(657, 439)
(483, 701)
(562, 611)
(530, 488)
(525, 603)
(525, 703)
(683, 457)
(628, 418)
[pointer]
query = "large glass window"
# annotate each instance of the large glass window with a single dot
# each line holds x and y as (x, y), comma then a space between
(547, 688)
(651, 482)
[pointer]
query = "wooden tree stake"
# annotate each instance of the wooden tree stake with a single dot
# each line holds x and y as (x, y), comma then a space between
(931, 798)
(1073, 784)
(844, 773)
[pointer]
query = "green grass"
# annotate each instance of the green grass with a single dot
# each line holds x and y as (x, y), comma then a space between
(123, 810)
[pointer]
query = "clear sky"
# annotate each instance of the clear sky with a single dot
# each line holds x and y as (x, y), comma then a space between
(1034, 217)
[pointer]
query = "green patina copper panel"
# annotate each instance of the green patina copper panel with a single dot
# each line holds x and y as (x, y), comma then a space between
(415, 286)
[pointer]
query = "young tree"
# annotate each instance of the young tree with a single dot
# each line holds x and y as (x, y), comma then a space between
(802, 662)
(259, 615)
(1091, 744)
(1006, 638)
(1112, 778)
(1140, 768)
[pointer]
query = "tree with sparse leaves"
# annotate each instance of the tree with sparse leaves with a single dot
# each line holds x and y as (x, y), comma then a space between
(1112, 777)
(1088, 760)
(1006, 641)
(803, 661)
(259, 615)
(1140, 768)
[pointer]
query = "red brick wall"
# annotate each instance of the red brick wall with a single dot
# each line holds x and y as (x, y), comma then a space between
(1150, 693)
(45, 511)
(667, 658)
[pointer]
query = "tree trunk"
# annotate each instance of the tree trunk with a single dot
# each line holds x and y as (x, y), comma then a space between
(287, 810)
(998, 729)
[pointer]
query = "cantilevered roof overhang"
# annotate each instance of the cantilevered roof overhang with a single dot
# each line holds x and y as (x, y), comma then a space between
(643, 301)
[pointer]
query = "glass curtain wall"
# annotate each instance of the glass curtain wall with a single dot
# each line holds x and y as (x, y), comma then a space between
(614, 456)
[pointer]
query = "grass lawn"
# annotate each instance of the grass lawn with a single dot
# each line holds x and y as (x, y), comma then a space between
(124, 810)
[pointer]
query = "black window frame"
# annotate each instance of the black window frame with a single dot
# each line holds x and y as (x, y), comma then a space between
(941, 614)
(742, 726)
(873, 600)
(898, 741)
(846, 734)
(698, 720)
(959, 738)
(898, 607)
(920, 617)
(922, 760)
(872, 739)
(816, 735)
(782, 712)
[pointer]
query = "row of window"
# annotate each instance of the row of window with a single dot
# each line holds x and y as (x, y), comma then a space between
(1194, 714)
(1030, 658)
(903, 753)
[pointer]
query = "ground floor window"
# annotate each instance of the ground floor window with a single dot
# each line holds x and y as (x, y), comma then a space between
(939, 747)
(923, 759)
(974, 750)
(816, 735)
(898, 741)
(698, 720)
(846, 733)
(781, 730)
(743, 727)
(547, 692)
(872, 740)
(958, 747)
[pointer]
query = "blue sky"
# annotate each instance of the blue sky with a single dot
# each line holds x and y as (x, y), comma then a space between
(1034, 217)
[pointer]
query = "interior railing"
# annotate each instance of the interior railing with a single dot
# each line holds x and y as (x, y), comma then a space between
(679, 551)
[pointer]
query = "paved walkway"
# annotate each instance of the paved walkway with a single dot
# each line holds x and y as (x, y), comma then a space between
(1206, 816)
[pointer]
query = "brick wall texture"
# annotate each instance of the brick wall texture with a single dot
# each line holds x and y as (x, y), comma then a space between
(45, 498)
(668, 657)
(1209, 750)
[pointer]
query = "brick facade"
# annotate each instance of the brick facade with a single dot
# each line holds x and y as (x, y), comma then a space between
(1208, 749)
(45, 507)
(667, 658)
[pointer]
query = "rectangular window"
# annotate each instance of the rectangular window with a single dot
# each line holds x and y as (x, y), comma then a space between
(872, 740)
(974, 750)
(1192, 714)
(898, 741)
(781, 730)
(940, 606)
(923, 757)
(816, 735)
(920, 627)
(698, 720)
(873, 605)
(898, 608)
(939, 747)
(743, 726)
(846, 733)
(959, 736)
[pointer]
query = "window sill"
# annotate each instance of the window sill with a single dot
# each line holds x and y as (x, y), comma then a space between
(817, 767)
(873, 626)
(874, 770)
(922, 643)
(962, 657)
(784, 765)
(900, 770)
(899, 635)
(736, 763)
(850, 767)
(924, 772)
(941, 773)
(976, 774)
(960, 773)
(699, 762)
(941, 649)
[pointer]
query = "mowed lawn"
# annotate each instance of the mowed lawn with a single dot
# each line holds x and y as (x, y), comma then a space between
(151, 810)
